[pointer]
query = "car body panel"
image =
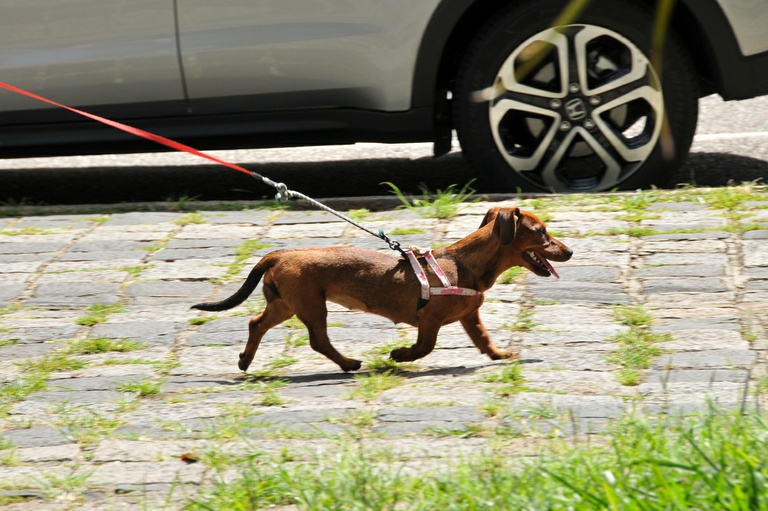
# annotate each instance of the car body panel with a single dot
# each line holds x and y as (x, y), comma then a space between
(749, 19)
(304, 53)
(89, 52)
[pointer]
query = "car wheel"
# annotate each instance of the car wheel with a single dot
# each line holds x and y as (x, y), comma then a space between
(575, 108)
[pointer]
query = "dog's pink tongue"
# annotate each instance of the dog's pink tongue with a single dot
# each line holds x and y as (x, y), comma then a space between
(549, 266)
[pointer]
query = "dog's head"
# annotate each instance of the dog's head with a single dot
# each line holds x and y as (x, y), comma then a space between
(525, 240)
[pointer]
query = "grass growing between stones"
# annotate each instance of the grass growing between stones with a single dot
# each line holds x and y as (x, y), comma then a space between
(367, 387)
(442, 204)
(509, 381)
(143, 388)
(713, 461)
(98, 313)
(84, 425)
(92, 346)
(637, 346)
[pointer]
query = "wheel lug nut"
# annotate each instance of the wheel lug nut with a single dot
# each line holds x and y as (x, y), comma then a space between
(589, 124)
(555, 104)
(565, 126)
(574, 88)
(594, 100)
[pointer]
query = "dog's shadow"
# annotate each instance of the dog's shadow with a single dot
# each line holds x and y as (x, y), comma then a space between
(326, 378)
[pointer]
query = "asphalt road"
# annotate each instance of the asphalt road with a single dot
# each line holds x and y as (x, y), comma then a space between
(729, 147)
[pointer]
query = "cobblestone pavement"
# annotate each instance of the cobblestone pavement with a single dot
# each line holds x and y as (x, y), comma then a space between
(111, 384)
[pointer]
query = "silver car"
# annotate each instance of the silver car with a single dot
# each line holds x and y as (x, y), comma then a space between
(560, 95)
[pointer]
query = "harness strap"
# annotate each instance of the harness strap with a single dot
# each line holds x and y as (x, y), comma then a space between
(426, 290)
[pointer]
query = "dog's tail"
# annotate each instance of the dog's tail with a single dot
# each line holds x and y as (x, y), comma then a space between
(241, 294)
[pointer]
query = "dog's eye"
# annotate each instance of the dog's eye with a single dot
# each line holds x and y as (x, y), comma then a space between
(543, 231)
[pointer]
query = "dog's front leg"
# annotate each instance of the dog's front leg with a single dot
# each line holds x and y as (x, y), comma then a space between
(479, 335)
(425, 342)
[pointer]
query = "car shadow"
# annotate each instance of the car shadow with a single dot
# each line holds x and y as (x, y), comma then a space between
(343, 178)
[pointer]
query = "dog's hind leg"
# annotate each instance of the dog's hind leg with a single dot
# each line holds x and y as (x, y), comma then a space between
(315, 318)
(275, 313)
(479, 335)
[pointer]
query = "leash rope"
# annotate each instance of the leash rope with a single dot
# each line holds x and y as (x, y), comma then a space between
(283, 193)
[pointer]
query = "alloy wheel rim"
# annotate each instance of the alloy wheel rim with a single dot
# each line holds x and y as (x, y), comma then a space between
(576, 108)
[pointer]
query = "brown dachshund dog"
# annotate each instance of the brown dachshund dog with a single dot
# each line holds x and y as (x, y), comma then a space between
(300, 281)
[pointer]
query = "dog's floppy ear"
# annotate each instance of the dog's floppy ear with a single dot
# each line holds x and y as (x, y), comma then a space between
(489, 217)
(506, 224)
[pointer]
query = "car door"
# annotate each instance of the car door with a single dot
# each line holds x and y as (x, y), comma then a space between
(258, 55)
(114, 56)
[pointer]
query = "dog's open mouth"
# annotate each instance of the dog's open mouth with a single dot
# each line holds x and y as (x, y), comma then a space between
(540, 264)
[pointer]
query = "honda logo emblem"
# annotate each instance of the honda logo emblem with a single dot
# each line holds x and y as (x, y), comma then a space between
(576, 109)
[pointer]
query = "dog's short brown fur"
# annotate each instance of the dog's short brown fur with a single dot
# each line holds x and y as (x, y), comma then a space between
(300, 281)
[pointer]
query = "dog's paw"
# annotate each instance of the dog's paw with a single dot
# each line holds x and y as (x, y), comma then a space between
(243, 362)
(351, 364)
(402, 355)
(504, 354)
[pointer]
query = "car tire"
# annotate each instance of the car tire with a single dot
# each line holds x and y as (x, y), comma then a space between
(576, 108)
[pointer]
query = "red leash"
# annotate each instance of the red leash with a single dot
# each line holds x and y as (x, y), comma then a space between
(283, 193)
(133, 131)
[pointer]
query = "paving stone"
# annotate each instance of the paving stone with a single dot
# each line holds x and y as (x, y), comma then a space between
(553, 428)
(76, 397)
(460, 414)
(117, 474)
(683, 247)
(253, 217)
(556, 357)
(142, 451)
(596, 337)
(30, 248)
(681, 270)
(133, 255)
(698, 340)
(726, 358)
(159, 293)
(589, 273)
(527, 404)
(756, 235)
(182, 383)
(11, 291)
(28, 335)
(717, 323)
(697, 375)
(141, 218)
(173, 254)
(74, 293)
(398, 429)
(50, 453)
(305, 217)
(283, 417)
(88, 384)
(582, 292)
(755, 253)
(152, 332)
(36, 437)
(684, 285)
(21, 351)
(697, 259)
